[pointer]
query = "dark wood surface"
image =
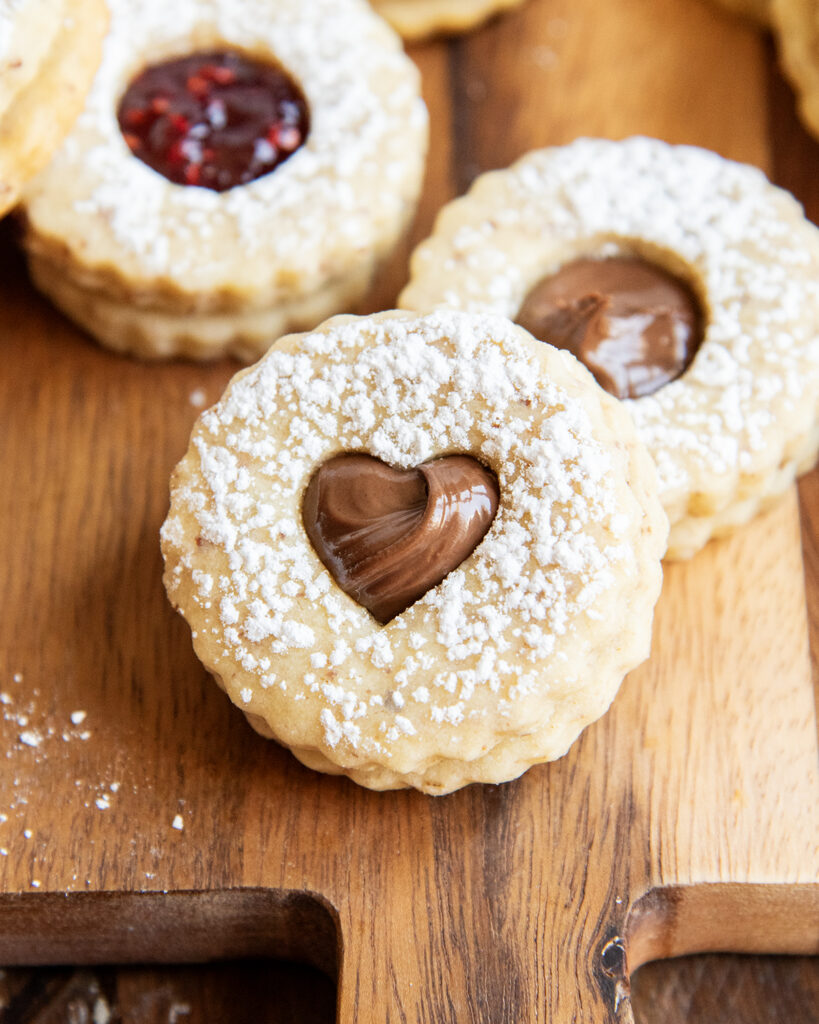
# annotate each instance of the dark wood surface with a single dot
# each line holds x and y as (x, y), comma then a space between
(697, 990)
(717, 989)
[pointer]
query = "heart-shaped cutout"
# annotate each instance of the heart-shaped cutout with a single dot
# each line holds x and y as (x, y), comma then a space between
(389, 535)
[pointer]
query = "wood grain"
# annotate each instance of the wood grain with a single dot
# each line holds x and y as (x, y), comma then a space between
(685, 819)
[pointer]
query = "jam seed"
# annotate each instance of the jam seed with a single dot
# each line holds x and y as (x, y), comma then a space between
(135, 118)
(218, 74)
(175, 155)
(197, 86)
(179, 123)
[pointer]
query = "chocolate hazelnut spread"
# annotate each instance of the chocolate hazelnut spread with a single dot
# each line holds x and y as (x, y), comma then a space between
(216, 119)
(634, 325)
(390, 535)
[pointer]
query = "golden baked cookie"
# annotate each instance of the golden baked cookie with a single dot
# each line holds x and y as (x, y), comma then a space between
(240, 169)
(49, 51)
(796, 26)
(728, 407)
(338, 480)
(756, 10)
(418, 19)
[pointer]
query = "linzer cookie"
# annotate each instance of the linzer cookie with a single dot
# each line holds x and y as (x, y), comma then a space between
(418, 551)
(240, 169)
(688, 284)
(49, 51)
(418, 19)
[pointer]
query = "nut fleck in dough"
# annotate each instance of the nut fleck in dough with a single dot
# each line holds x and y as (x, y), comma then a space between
(157, 269)
(418, 19)
(49, 51)
(503, 663)
(729, 435)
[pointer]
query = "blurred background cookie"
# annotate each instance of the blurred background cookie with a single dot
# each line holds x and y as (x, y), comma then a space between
(49, 51)
(239, 170)
(417, 19)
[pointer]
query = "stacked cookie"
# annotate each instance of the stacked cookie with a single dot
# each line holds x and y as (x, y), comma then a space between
(240, 170)
(417, 550)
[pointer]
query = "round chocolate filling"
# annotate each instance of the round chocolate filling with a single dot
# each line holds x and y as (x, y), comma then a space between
(216, 119)
(634, 325)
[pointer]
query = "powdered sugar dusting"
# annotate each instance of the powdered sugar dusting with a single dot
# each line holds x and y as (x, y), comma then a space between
(404, 389)
(744, 245)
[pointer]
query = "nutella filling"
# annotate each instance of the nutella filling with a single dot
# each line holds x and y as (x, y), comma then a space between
(216, 119)
(634, 325)
(390, 535)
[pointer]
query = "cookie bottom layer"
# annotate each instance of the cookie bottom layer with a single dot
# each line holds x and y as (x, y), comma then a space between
(507, 760)
(692, 532)
(153, 334)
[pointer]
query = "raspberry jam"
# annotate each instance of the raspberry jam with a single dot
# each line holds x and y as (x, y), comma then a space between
(217, 119)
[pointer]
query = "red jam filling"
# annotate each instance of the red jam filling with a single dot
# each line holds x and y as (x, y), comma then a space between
(216, 119)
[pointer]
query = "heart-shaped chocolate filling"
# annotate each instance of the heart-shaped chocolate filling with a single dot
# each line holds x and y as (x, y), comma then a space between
(390, 535)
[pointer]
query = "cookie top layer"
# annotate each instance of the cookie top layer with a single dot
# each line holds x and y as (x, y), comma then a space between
(512, 639)
(363, 156)
(742, 245)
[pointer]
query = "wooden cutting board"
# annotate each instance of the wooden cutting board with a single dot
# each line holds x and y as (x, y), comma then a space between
(141, 819)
